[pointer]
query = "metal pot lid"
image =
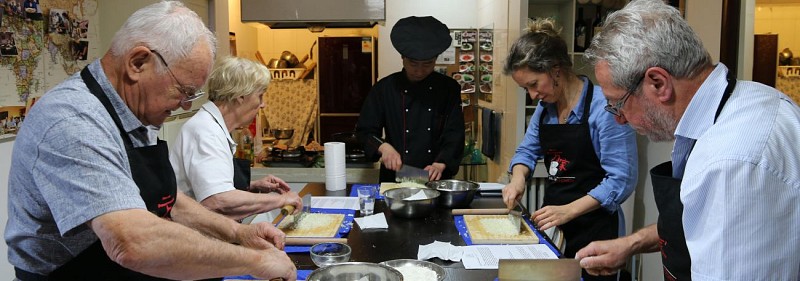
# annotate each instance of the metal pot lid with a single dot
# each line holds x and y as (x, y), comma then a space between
(355, 154)
(291, 153)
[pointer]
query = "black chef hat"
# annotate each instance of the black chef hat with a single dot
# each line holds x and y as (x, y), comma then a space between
(420, 38)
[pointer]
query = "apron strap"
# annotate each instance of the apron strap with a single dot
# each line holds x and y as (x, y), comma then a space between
(98, 92)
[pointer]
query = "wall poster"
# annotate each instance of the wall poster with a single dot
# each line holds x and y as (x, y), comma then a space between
(42, 42)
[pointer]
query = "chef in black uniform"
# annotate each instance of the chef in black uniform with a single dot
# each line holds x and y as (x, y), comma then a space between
(413, 117)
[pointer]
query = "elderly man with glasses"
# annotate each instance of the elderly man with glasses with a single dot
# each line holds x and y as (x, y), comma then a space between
(90, 198)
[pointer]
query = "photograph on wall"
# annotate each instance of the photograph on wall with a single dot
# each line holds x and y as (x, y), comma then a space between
(8, 47)
(32, 10)
(11, 8)
(59, 21)
(82, 28)
(80, 49)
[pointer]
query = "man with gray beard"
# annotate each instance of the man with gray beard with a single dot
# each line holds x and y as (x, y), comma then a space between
(732, 184)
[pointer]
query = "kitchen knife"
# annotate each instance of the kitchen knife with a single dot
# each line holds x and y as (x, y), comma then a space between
(515, 217)
(539, 270)
(411, 173)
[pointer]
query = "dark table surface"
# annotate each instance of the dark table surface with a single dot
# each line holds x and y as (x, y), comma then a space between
(403, 237)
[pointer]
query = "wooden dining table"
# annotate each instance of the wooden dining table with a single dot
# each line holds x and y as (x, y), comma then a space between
(404, 236)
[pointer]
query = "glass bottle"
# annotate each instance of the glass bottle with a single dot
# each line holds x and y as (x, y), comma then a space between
(580, 32)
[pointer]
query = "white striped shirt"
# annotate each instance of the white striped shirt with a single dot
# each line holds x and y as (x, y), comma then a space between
(741, 186)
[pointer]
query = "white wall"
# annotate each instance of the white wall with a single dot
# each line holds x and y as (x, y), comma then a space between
(453, 13)
(5, 164)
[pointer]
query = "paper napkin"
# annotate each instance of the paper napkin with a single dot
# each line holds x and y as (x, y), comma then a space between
(377, 221)
(442, 250)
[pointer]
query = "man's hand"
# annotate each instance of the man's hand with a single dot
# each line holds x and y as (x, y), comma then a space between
(276, 265)
(260, 236)
(550, 216)
(291, 198)
(604, 257)
(389, 157)
(269, 184)
(435, 171)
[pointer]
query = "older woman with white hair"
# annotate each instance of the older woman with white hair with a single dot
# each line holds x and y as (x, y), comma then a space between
(203, 153)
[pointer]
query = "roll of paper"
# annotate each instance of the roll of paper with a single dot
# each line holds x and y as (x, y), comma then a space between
(335, 182)
(335, 166)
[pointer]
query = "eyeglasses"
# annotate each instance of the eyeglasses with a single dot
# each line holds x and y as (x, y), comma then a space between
(614, 109)
(191, 94)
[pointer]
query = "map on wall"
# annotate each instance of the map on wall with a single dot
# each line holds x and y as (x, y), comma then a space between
(42, 42)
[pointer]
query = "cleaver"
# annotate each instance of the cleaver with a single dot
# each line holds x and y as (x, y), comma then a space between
(539, 270)
(411, 173)
(288, 209)
(515, 217)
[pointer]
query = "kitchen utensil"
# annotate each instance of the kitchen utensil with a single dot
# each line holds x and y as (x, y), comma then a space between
(315, 225)
(328, 253)
(515, 217)
(356, 271)
(495, 229)
(455, 193)
(308, 70)
(288, 209)
(411, 173)
(411, 208)
(539, 270)
(290, 58)
(785, 57)
(313, 240)
(261, 58)
(282, 133)
(401, 263)
(498, 211)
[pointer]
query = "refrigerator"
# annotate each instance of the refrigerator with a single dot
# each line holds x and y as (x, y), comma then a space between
(347, 70)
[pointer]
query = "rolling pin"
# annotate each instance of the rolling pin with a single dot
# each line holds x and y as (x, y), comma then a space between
(312, 241)
(499, 211)
(287, 210)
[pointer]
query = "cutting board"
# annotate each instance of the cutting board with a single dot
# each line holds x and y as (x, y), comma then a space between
(313, 225)
(482, 231)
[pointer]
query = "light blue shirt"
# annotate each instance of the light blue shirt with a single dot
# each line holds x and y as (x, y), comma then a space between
(741, 186)
(68, 166)
(615, 146)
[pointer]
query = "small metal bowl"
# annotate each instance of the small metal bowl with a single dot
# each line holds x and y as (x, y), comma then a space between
(329, 253)
(440, 273)
(455, 193)
(395, 200)
(356, 271)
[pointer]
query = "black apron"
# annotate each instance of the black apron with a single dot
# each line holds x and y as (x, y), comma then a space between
(569, 153)
(667, 194)
(153, 174)
(241, 173)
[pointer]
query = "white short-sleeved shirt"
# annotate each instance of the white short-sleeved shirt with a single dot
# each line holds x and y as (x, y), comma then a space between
(202, 155)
